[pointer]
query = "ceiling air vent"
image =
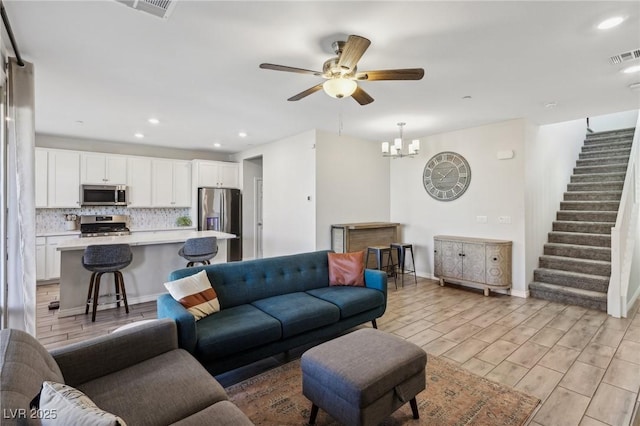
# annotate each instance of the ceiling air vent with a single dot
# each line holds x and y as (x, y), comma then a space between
(160, 8)
(624, 57)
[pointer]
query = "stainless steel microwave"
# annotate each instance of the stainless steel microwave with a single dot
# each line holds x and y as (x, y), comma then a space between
(103, 195)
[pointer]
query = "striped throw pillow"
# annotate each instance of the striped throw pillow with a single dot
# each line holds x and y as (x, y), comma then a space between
(196, 294)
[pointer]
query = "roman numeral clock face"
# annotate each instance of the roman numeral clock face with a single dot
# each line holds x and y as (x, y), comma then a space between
(446, 176)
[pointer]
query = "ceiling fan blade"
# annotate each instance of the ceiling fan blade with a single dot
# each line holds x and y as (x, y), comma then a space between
(362, 97)
(306, 93)
(401, 74)
(289, 69)
(352, 51)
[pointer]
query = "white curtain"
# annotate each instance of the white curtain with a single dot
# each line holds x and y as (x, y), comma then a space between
(21, 265)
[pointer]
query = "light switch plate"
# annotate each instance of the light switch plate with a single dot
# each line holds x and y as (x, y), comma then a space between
(481, 219)
(504, 219)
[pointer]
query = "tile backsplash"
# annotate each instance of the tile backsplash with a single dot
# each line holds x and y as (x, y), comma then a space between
(53, 220)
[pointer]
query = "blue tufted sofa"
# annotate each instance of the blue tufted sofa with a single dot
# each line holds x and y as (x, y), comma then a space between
(271, 305)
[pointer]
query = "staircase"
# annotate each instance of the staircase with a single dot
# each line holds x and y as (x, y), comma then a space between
(576, 265)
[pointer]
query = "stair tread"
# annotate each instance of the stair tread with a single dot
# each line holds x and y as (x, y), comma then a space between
(577, 246)
(576, 233)
(575, 291)
(594, 192)
(576, 259)
(572, 274)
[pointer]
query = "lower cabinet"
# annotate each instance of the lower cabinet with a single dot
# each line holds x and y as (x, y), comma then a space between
(472, 261)
(48, 256)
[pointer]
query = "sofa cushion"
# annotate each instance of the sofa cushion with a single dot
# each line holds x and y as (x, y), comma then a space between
(350, 300)
(222, 413)
(239, 283)
(170, 386)
(234, 330)
(24, 365)
(346, 268)
(72, 407)
(299, 312)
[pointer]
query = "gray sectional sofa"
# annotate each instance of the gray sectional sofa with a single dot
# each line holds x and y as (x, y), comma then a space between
(272, 305)
(138, 374)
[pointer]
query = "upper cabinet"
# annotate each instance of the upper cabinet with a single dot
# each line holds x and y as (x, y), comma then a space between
(139, 181)
(63, 178)
(171, 180)
(103, 169)
(218, 174)
(41, 158)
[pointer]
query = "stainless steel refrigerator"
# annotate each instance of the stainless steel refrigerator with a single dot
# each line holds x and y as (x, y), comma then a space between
(220, 209)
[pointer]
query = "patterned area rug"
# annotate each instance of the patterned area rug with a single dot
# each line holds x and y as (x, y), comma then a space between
(453, 396)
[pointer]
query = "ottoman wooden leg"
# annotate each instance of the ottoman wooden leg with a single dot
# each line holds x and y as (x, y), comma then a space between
(414, 408)
(314, 414)
(374, 323)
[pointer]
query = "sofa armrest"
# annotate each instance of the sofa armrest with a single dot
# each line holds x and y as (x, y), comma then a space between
(168, 307)
(85, 361)
(376, 279)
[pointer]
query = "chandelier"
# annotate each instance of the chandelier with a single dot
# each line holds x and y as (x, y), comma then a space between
(397, 150)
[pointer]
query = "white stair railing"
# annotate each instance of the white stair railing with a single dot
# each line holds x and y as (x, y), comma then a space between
(623, 235)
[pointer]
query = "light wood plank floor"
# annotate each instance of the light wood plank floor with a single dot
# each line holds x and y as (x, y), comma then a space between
(582, 364)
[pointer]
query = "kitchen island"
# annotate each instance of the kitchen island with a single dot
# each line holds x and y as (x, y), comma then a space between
(155, 255)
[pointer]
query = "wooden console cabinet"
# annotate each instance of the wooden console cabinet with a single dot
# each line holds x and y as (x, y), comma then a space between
(472, 261)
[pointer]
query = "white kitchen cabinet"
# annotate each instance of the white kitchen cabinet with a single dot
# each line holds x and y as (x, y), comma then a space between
(52, 255)
(139, 181)
(472, 261)
(41, 256)
(171, 180)
(103, 169)
(218, 174)
(63, 178)
(41, 178)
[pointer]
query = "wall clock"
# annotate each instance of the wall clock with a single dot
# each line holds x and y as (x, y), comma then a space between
(446, 176)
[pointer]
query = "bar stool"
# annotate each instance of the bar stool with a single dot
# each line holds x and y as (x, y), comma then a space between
(379, 252)
(199, 250)
(402, 249)
(101, 259)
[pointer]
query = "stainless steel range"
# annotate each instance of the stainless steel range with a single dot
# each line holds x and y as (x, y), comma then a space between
(103, 225)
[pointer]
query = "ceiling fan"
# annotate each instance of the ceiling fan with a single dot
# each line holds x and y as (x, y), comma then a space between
(342, 75)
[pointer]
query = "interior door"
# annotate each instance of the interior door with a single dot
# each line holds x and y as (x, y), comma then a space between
(258, 221)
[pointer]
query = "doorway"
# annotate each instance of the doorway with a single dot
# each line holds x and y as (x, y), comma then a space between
(258, 219)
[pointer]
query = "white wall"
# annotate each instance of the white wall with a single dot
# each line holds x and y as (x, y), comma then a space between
(551, 152)
(352, 184)
(496, 189)
(615, 121)
(288, 170)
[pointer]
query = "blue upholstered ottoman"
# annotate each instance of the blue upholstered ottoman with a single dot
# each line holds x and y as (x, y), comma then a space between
(362, 377)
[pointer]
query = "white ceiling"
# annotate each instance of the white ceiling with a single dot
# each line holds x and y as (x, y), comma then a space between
(111, 67)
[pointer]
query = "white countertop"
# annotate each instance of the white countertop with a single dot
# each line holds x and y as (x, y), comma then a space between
(142, 239)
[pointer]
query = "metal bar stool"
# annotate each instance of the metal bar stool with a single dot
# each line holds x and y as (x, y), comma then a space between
(199, 250)
(101, 259)
(379, 252)
(402, 249)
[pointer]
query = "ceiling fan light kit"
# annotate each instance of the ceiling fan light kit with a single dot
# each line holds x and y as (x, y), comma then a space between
(397, 149)
(342, 75)
(339, 87)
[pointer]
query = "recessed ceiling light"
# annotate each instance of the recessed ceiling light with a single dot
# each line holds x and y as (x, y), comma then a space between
(635, 86)
(242, 134)
(79, 122)
(551, 104)
(217, 145)
(629, 70)
(139, 135)
(153, 121)
(466, 97)
(610, 23)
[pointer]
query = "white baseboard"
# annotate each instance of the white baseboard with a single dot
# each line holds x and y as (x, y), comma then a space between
(520, 293)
